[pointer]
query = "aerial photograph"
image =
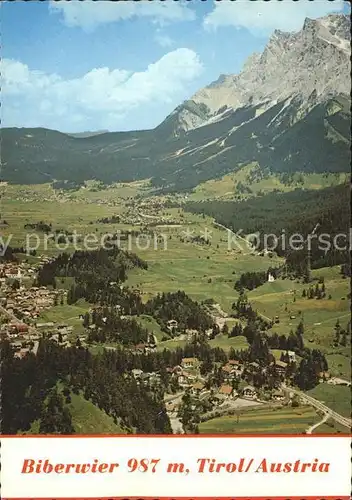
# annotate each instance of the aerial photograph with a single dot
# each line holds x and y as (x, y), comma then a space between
(175, 217)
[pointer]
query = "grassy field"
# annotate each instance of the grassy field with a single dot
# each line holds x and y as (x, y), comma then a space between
(319, 316)
(202, 271)
(175, 263)
(336, 397)
(74, 212)
(226, 186)
(278, 421)
(86, 418)
(221, 341)
(151, 325)
(68, 314)
(89, 419)
(226, 343)
(171, 344)
(113, 193)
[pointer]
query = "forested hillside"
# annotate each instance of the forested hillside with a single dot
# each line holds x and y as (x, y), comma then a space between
(29, 394)
(278, 139)
(285, 214)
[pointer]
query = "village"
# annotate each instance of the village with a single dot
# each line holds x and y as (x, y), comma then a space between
(21, 304)
(223, 388)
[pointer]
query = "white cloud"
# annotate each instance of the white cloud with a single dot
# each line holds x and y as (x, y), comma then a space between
(101, 97)
(89, 14)
(164, 40)
(262, 17)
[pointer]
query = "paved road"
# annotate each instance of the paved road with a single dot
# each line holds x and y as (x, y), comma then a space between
(322, 407)
(175, 422)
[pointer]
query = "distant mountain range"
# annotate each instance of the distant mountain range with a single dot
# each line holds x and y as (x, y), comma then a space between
(289, 110)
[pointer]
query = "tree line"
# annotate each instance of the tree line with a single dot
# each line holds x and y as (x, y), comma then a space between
(107, 325)
(29, 389)
(253, 279)
(297, 211)
(93, 270)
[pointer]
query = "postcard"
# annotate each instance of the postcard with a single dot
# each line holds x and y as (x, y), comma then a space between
(175, 249)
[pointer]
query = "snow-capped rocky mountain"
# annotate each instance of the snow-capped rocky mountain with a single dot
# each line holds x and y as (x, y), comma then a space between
(313, 64)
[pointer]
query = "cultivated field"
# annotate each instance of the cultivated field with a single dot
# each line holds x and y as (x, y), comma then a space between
(278, 421)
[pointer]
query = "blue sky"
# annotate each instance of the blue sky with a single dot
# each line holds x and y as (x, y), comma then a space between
(75, 66)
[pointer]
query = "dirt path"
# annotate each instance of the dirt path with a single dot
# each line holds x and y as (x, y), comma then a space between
(175, 422)
(250, 247)
(219, 316)
(322, 407)
(176, 426)
(313, 427)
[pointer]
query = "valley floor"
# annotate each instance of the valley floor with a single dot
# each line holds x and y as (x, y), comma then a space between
(204, 271)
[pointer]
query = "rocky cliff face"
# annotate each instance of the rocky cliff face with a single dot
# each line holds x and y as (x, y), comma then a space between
(311, 65)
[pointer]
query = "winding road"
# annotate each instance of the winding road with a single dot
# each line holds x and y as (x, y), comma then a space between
(346, 422)
(313, 427)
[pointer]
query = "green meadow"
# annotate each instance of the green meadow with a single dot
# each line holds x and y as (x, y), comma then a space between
(336, 397)
(177, 263)
(226, 187)
(283, 298)
(67, 314)
(266, 421)
(87, 418)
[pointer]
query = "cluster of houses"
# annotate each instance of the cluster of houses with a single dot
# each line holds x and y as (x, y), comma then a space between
(23, 347)
(15, 271)
(151, 379)
(24, 339)
(188, 378)
(28, 303)
(148, 213)
(147, 348)
(18, 298)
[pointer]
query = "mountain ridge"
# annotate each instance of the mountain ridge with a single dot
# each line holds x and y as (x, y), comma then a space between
(240, 90)
(288, 110)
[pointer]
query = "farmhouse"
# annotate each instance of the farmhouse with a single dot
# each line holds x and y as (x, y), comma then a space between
(237, 365)
(177, 370)
(280, 367)
(197, 388)
(19, 328)
(235, 362)
(228, 372)
(137, 373)
(291, 356)
(172, 323)
(226, 391)
(185, 379)
(189, 363)
(253, 367)
(278, 395)
(249, 392)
